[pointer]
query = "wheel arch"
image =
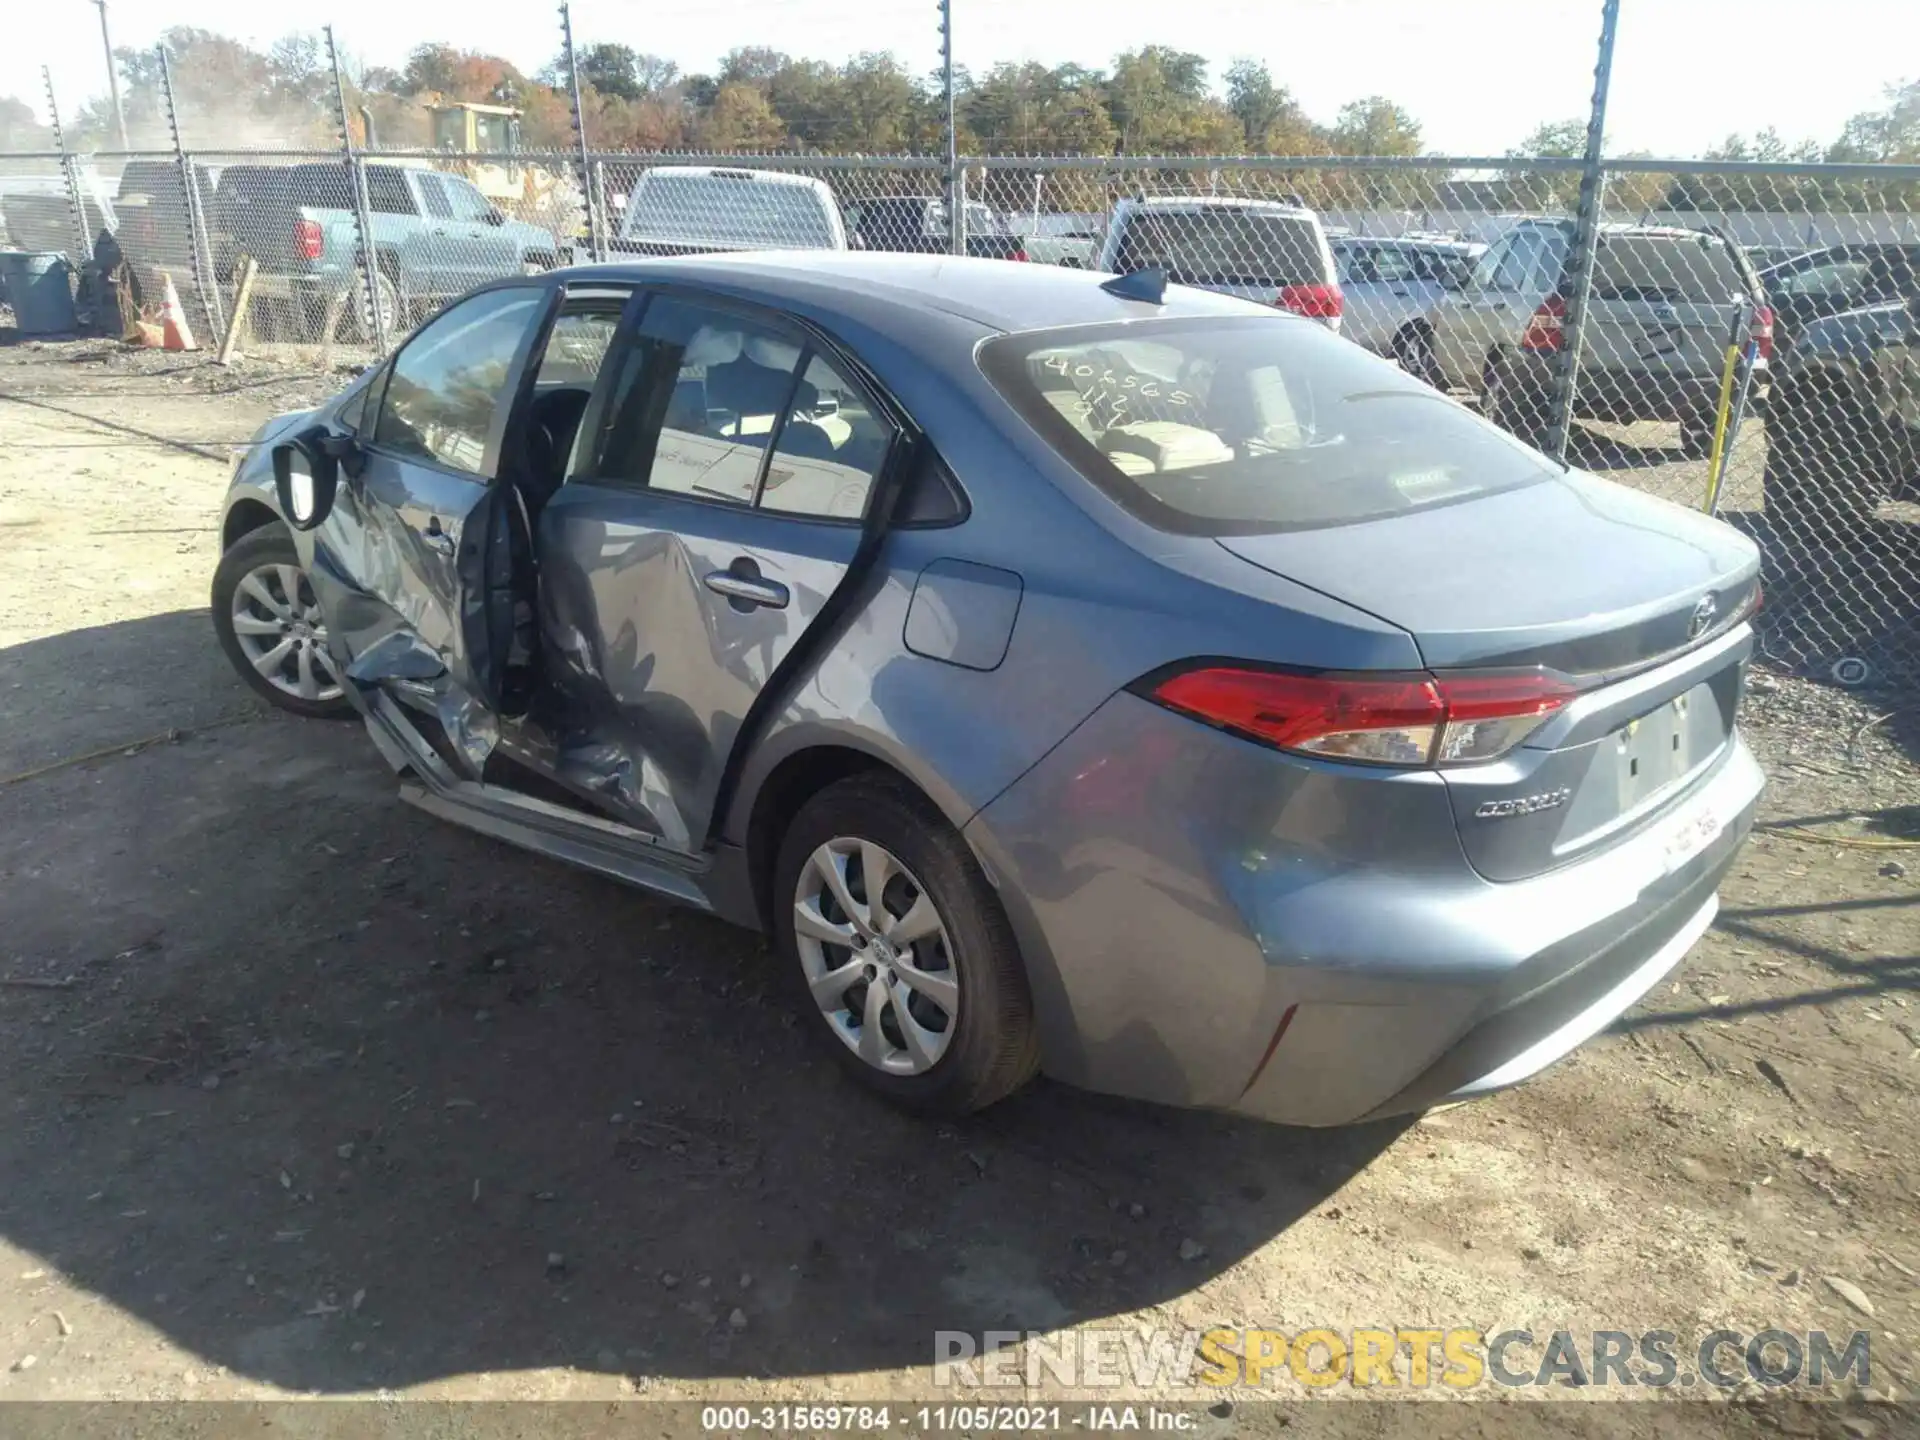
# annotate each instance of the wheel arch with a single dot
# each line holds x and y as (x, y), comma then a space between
(243, 517)
(789, 783)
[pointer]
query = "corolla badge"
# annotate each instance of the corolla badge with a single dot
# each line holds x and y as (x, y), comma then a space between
(1702, 618)
(1525, 805)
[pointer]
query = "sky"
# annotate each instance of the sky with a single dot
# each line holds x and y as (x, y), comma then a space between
(1478, 74)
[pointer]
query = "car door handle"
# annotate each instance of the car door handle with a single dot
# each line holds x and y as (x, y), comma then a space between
(748, 590)
(437, 539)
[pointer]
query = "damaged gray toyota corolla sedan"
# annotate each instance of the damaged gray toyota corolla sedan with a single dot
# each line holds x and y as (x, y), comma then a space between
(1139, 685)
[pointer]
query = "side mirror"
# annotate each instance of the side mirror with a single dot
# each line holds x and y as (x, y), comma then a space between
(306, 493)
(494, 217)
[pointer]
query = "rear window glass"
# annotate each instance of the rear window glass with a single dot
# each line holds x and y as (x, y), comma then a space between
(1225, 247)
(728, 210)
(323, 187)
(1670, 268)
(1241, 427)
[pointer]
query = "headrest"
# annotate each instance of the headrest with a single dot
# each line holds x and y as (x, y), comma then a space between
(774, 354)
(712, 347)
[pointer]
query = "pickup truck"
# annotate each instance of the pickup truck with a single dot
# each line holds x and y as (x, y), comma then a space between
(699, 209)
(918, 223)
(435, 236)
(1273, 252)
(151, 226)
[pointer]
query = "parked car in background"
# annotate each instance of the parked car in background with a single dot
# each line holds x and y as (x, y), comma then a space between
(1072, 248)
(434, 236)
(1389, 285)
(151, 225)
(1839, 278)
(918, 223)
(1067, 677)
(1843, 426)
(1660, 310)
(691, 209)
(1276, 254)
(1765, 257)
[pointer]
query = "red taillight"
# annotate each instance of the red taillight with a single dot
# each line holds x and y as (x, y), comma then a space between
(1019, 254)
(1380, 720)
(308, 241)
(1763, 331)
(1546, 327)
(1316, 302)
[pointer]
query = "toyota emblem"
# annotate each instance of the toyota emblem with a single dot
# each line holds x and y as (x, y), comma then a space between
(1702, 618)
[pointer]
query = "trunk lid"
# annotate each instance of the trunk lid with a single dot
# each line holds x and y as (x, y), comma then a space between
(1573, 573)
(1636, 599)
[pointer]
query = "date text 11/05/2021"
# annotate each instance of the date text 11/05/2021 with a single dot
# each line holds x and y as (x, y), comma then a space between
(966, 1419)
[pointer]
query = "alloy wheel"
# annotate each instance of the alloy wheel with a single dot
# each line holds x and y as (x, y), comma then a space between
(876, 956)
(276, 619)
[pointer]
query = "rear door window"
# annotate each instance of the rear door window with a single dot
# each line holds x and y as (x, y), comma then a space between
(1238, 427)
(387, 192)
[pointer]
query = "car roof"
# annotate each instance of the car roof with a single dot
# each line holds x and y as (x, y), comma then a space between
(1198, 204)
(733, 172)
(894, 292)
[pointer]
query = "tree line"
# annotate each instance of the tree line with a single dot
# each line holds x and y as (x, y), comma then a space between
(1156, 100)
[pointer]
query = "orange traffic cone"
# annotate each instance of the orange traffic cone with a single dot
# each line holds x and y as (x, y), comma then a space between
(175, 333)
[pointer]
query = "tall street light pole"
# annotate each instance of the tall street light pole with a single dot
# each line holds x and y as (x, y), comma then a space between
(113, 76)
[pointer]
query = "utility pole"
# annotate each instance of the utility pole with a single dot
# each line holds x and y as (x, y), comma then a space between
(595, 237)
(113, 76)
(1586, 239)
(956, 182)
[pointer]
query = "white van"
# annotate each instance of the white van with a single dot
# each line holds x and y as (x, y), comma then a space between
(687, 209)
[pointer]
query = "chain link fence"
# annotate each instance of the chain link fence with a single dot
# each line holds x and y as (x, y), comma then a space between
(1746, 348)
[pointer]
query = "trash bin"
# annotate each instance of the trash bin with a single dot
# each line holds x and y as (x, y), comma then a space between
(38, 287)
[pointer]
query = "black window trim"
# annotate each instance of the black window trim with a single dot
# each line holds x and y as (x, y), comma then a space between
(517, 372)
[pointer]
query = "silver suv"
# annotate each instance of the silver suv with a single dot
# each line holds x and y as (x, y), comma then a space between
(1661, 310)
(1263, 250)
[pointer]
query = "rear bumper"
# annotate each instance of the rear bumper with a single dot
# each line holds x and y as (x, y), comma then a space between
(1181, 900)
(1613, 393)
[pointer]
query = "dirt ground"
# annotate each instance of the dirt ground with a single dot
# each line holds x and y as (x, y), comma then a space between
(319, 1096)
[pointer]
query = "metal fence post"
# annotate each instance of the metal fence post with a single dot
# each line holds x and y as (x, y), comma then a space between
(199, 249)
(594, 235)
(956, 183)
(76, 203)
(364, 258)
(1586, 239)
(600, 197)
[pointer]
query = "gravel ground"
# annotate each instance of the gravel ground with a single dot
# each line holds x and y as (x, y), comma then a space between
(316, 1095)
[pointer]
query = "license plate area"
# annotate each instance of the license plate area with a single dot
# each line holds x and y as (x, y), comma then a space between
(1663, 746)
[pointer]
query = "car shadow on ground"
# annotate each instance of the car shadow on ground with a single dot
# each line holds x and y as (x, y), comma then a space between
(341, 1097)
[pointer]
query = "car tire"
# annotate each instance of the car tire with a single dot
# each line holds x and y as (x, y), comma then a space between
(359, 321)
(268, 555)
(1413, 353)
(1520, 413)
(985, 1051)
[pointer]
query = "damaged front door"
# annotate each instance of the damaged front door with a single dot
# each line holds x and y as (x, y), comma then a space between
(420, 566)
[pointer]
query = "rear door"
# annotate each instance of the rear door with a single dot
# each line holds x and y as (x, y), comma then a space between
(719, 496)
(487, 251)
(1491, 310)
(1663, 305)
(414, 568)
